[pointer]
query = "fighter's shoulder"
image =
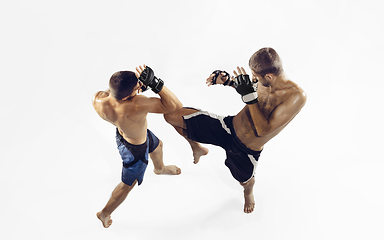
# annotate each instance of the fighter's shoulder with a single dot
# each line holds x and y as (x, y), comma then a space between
(299, 92)
(140, 97)
(136, 104)
(100, 97)
(296, 95)
(103, 107)
(293, 88)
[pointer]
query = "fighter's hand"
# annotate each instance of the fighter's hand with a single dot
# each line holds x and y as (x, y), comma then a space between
(240, 71)
(209, 80)
(245, 87)
(139, 70)
(147, 77)
(220, 79)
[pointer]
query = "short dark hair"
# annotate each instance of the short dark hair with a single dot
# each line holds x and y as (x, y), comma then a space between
(122, 83)
(266, 60)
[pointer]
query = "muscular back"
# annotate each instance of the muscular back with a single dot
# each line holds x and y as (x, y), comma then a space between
(130, 115)
(257, 123)
(125, 115)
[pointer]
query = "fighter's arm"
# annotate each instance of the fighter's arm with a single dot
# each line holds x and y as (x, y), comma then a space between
(280, 116)
(167, 103)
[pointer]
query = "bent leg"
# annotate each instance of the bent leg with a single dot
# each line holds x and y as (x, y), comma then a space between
(176, 118)
(157, 159)
(118, 196)
(249, 204)
(177, 121)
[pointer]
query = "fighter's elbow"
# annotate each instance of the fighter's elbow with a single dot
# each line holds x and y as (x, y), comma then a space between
(178, 106)
(173, 107)
(262, 133)
(264, 130)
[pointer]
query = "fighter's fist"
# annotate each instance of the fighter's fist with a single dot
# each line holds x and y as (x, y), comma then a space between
(148, 78)
(245, 87)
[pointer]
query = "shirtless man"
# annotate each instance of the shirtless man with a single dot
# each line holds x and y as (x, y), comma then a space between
(123, 107)
(272, 101)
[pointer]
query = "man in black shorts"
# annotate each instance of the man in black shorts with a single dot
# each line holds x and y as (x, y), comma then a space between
(272, 101)
(205, 127)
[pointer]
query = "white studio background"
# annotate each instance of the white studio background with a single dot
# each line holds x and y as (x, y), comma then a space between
(321, 178)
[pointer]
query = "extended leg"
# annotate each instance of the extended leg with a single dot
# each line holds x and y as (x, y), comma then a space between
(249, 204)
(157, 159)
(118, 196)
(177, 121)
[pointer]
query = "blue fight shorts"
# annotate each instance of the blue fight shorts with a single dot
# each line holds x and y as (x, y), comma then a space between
(205, 127)
(135, 157)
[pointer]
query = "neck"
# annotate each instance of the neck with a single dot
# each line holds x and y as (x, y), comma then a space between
(279, 83)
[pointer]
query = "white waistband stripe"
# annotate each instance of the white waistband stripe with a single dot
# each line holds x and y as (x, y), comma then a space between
(212, 115)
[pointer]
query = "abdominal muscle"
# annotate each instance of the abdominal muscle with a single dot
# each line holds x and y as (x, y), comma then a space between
(246, 132)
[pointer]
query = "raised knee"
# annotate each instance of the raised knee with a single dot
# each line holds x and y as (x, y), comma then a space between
(174, 119)
(251, 182)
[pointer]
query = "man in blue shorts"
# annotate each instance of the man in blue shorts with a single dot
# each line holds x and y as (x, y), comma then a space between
(272, 101)
(122, 106)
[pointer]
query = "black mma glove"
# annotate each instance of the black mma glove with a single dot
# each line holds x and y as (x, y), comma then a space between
(148, 78)
(144, 88)
(217, 73)
(246, 88)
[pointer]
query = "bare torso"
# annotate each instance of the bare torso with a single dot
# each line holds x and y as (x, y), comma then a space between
(131, 124)
(130, 114)
(268, 101)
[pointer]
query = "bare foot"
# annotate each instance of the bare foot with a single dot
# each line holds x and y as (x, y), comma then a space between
(168, 170)
(249, 204)
(105, 220)
(199, 151)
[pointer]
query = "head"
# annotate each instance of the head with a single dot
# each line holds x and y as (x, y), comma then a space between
(122, 84)
(265, 64)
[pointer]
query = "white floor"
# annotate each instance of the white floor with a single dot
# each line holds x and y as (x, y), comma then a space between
(321, 178)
